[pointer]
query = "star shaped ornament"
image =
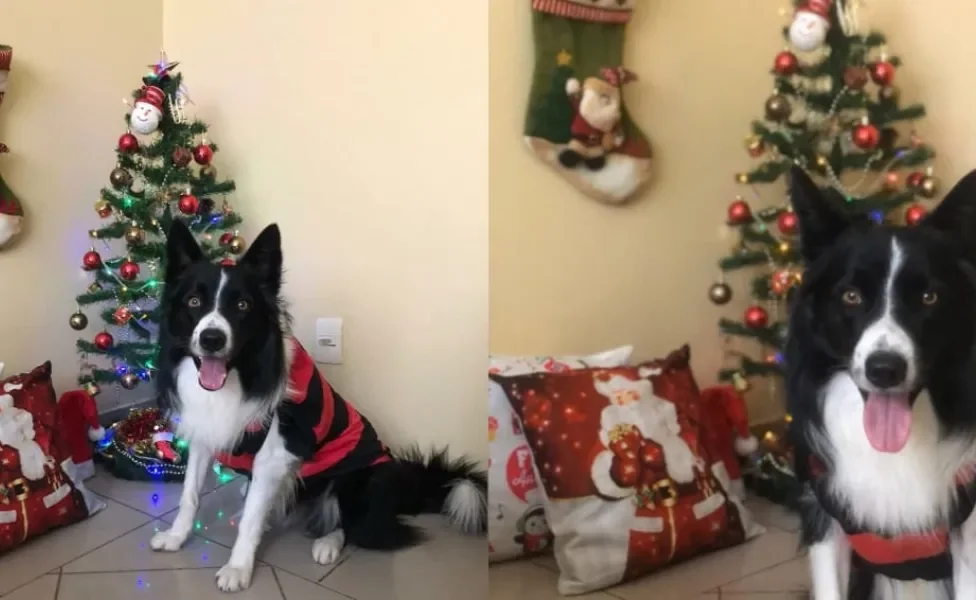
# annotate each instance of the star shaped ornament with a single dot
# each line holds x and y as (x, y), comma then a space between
(160, 70)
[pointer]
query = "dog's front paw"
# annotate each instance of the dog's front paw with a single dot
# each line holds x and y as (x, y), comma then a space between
(167, 541)
(326, 549)
(234, 579)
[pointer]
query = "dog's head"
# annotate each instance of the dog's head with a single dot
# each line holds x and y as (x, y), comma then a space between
(893, 307)
(222, 316)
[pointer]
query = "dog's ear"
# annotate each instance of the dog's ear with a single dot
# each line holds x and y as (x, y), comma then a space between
(956, 214)
(821, 220)
(264, 256)
(182, 250)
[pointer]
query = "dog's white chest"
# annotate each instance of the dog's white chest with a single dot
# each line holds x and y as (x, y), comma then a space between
(217, 419)
(907, 490)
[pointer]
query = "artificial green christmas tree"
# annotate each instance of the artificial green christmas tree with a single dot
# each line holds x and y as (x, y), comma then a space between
(164, 171)
(836, 112)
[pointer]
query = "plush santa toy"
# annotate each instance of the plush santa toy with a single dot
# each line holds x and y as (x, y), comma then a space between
(148, 111)
(595, 131)
(79, 427)
(810, 25)
(725, 435)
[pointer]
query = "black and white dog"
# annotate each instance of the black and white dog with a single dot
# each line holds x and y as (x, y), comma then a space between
(248, 395)
(881, 384)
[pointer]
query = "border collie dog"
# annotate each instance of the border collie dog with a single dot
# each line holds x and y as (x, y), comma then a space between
(249, 396)
(881, 384)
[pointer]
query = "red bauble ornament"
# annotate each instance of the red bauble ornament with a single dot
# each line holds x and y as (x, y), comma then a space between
(781, 281)
(756, 317)
(739, 212)
(128, 143)
(182, 157)
(787, 223)
(915, 179)
(104, 340)
(203, 154)
(129, 270)
(914, 214)
(883, 73)
(625, 472)
(189, 204)
(226, 238)
(786, 63)
(227, 262)
(866, 136)
(122, 315)
(91, 260)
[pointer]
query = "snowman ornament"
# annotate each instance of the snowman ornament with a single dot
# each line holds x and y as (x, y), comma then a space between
(810, 25)
(148, 111)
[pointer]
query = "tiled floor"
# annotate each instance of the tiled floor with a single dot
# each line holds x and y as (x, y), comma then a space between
(107, 557)
(767, 568)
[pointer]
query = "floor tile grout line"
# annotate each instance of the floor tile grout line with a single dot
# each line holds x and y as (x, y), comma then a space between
(146, 570)
(750, 574)
(342, 561)
(82, 555)
(281, 590)
(57, 586)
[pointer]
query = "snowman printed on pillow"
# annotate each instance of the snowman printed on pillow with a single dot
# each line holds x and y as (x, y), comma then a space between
(533, 531)
(148, 111)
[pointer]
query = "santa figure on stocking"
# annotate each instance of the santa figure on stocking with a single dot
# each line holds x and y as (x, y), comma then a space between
(79, 427)
(726, 435)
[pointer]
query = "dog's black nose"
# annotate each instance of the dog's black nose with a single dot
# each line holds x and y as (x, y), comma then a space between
(213, 340)
(885, 369)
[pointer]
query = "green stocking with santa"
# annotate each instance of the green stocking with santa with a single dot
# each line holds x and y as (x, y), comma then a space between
(576, 119)
(11, 213)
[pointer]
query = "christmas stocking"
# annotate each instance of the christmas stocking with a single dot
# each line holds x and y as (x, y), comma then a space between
(576, 119)
(11, 214)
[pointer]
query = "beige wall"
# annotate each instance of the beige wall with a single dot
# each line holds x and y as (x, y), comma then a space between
(569, 275)
(74, 62)
(358, 126)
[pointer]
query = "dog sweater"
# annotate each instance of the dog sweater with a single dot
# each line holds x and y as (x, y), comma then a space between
(330, 436)
(905, 556)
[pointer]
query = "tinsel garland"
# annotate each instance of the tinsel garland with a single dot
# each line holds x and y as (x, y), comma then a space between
(142, 447)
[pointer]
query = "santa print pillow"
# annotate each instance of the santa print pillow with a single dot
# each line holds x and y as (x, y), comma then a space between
(628, 487)
(517, 525)
(36, 494)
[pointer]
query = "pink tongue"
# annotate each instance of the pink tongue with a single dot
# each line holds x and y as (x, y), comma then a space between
(213, 373)
(887, 421)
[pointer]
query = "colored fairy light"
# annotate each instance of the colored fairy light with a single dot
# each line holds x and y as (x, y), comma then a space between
(121, 369)
(216, 219)
(144, 374)
(877, 216)
(127, 201)
(198, 525)
(220, 514)
(155, 498)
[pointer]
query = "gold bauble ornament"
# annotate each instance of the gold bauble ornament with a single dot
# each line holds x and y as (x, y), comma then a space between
(741, 178)
(103, 208)
(78, 321)
(135, 235)
(821, 161)
(93, 234)
(778, 108)
(720, 293)
(784, 247)
(237, 245)
(129, 381)
(929, 187)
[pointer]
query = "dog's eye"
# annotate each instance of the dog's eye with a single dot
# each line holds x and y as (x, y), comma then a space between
(193, 302)
(852, 298)
(243, 305)
(929, 298)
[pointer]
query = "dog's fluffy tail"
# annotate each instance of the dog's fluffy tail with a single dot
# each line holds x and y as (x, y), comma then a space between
(453, 487)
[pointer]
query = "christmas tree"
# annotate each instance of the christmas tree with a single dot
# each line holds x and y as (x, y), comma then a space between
(835, 112)
(163, 172)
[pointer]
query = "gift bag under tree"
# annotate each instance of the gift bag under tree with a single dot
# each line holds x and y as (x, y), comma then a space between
(11, 213)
